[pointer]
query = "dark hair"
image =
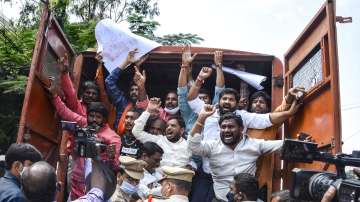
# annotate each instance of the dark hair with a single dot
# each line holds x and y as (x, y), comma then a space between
(204, 91)
(230, 91)
(150, 148)
(136, 110)
(150, 121)
(179, 119)
(233, 116)
(90, 85)
(98, 107)
(260, 94)
(181, 184)
(247, 184)
(21, 152)
(39, 182)
(170, 91)
(132, 83)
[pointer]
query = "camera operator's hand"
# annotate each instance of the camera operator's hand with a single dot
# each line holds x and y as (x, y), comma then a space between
(329, 194)
(103, 178)
(154, 105)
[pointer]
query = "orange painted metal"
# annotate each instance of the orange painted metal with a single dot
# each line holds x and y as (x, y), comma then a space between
(320, 115)
(39, 122)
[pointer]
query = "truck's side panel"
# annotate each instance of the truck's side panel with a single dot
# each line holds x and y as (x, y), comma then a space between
(312, 61)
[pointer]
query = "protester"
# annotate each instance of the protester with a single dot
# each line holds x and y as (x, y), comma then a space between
(260, 103)
(149, 184)
(130, 145)
(18, 158)
(137, 96)
(131, 172)
(185, 79)
(155, 126)
(176, 152)
(234, 152)
(176, 184)
(243, 188)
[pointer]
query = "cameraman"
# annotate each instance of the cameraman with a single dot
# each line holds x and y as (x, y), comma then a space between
(96, 118)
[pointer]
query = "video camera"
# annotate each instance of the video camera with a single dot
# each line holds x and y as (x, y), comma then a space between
(311, 185)
(86, 144)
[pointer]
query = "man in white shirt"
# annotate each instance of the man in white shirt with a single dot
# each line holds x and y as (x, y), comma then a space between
(233, 152)
(176, 152)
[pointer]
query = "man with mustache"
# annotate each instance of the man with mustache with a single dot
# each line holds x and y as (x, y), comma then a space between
(234, 152)
(97, 119)
(176, 152)
(137, 96)
(260, 103)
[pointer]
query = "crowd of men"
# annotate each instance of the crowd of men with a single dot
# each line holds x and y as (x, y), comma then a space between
(191, 148)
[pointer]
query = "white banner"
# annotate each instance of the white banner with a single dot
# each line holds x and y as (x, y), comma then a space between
(115, 41)
(253, 80)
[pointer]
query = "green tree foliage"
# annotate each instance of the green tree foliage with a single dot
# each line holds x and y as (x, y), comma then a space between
(16, 53)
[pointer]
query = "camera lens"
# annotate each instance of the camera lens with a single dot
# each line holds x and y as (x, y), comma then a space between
(319, 184)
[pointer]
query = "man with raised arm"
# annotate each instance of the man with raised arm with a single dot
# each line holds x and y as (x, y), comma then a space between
(184, 82)
(234, 152)
(176, 152)
(137, 92)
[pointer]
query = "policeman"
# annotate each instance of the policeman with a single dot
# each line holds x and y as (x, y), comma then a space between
(176, 185)
(132, 170)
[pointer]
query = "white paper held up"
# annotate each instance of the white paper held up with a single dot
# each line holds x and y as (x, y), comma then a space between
(253, 80)
(115, 41)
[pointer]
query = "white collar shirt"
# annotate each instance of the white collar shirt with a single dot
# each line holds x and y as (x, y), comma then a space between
(176, 154)
(212, 129)
(225, 163)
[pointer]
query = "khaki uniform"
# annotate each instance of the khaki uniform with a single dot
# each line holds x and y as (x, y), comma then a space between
(120, 196)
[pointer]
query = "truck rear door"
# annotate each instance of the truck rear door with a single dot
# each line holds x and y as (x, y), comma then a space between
(312, 62)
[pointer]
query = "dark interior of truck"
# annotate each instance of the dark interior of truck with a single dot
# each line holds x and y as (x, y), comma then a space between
(162, 73)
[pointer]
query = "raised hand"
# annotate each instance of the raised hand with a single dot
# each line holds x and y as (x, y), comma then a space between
(63, 63)
(295, 93)
(218, 58)
(141, 60)
(131, 57)
(205, 73)
(154, 105)
(99, 57)
(139, 79)
(294, 107)
(186, 56)
(207, 111)
(53, 89)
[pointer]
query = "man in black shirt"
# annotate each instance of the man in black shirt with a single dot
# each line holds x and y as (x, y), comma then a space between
(130, 146)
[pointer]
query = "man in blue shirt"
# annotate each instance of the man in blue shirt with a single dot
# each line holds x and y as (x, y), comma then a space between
(18, 158)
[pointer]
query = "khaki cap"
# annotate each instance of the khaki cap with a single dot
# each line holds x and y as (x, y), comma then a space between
(177, 173)
(133, 167)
